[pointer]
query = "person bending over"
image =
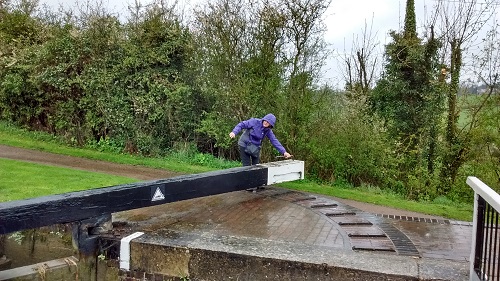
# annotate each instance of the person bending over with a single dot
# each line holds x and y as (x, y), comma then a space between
(250, 142)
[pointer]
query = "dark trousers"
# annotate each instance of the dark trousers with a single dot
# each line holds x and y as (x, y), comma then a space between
(247, 159)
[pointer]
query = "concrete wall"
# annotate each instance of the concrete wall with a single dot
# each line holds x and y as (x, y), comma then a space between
(161, 261)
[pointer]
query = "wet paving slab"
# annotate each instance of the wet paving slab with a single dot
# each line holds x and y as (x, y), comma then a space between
(277, 215)
(240, 214)
(451, 241)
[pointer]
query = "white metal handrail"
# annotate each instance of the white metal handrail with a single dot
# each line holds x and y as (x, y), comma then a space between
(485, 191)
(491, 198)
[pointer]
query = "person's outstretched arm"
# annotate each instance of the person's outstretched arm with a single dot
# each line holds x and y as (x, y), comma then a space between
(276, 143)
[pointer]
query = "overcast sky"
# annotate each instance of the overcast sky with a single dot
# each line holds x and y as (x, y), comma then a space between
(345, 19)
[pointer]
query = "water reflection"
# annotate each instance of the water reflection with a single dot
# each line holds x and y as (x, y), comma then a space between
(439, 240)
(37, 245)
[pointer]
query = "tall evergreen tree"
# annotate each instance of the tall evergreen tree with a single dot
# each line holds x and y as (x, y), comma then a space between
(407, 95)
(410, 30)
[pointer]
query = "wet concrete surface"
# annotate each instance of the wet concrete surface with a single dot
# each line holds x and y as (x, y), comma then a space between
(285, 218)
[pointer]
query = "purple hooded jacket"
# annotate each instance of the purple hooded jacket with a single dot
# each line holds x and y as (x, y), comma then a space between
(258, 132)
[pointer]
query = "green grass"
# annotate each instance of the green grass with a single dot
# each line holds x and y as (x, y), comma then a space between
(22, 180)
(442, 208)
(176, 162)
(180, 161)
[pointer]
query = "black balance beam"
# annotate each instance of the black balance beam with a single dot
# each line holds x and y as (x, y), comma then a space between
(80, 205)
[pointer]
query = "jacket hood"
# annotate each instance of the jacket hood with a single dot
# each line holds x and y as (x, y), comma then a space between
(270, 118)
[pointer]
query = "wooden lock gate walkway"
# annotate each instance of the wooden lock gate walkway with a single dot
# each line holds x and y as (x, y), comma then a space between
(90, 209)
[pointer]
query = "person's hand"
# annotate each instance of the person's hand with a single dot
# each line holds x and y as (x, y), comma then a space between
(231, 135)
(287, 155)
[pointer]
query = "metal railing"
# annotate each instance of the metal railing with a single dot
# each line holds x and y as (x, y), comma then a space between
(485, 250)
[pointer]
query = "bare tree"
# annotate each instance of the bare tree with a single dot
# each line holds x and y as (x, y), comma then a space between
(484, 111)
(361, 63)
(305, 30)
(4, 4)
(460, 23)
(28, 7)
(306, 52)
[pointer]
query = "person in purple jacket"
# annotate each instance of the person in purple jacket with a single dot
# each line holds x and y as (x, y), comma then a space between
(250, 141)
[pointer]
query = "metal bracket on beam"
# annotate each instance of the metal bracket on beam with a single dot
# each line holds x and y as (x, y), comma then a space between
(86, 233)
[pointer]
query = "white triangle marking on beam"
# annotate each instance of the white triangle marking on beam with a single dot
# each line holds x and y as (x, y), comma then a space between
(158, 195)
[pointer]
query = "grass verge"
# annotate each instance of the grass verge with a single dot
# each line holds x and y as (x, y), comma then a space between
(180, 161)
(22, 180)
(451, 210)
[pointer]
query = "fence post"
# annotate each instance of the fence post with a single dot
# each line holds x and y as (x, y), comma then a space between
(477, 235)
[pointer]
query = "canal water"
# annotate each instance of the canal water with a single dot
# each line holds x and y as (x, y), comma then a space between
(37, 245)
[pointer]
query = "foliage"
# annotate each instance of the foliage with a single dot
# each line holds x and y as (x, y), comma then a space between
(409, 99)
(407, 96)
(87, 83)
(155, 85)
(189, 154)
(259, 58)
(242, 67)
(483, 156)
(307, 53)
(344, 146)
(461, 25)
